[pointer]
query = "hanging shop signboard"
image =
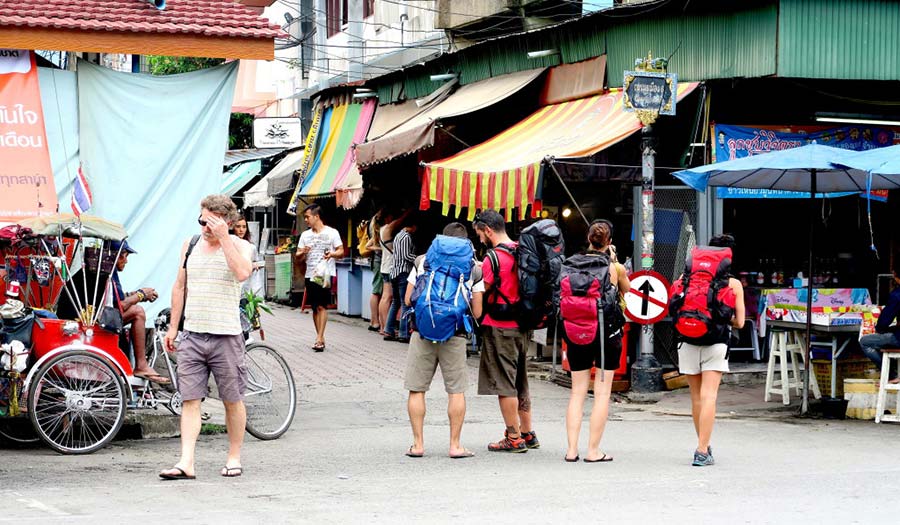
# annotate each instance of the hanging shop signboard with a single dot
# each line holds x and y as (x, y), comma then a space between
(734, 142)
(26, 175)
(277, 132)
(650, 91)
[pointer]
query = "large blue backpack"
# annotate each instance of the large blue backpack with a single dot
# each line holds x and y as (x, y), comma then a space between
(441, 295)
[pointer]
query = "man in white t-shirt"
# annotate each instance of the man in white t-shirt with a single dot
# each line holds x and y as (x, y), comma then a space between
(317, 244)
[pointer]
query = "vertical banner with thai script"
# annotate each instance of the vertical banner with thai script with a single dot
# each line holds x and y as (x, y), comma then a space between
(26, 175)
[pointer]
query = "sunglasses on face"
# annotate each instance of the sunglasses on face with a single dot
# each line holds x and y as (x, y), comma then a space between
(202, 221)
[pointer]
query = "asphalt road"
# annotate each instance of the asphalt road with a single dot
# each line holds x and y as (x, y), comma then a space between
(343, 461)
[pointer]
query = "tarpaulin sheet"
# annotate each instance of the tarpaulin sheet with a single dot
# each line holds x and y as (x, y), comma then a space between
(59, 96)
(152, 148)
(504, 172)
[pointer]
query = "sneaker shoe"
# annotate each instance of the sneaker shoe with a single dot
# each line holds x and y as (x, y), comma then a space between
(508, 444)
(703, 460)
(531, 440)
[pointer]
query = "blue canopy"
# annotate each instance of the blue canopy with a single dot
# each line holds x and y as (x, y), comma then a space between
(881, 163)
(788, 169)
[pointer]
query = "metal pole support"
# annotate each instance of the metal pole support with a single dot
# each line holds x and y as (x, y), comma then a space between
(646, 373)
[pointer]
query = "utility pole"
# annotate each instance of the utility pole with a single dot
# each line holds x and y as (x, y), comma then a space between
(649, 92)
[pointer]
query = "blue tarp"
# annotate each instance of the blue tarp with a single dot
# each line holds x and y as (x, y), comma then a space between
(59, 98)
(152, 148)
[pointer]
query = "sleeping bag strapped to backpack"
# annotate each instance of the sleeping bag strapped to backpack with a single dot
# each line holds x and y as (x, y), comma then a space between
(586, 296)
(539, 258)
(441, 295)
(701, 302)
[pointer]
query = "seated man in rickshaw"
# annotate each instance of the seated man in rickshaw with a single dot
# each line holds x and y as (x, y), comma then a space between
(133, 313)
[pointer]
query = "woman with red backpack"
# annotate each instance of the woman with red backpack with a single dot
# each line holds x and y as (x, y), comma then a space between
(591, 285)
(703, 322)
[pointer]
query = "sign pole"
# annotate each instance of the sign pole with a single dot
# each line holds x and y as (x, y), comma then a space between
(649, 92)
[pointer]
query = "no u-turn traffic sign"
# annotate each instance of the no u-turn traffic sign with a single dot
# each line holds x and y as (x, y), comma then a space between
(648, 300)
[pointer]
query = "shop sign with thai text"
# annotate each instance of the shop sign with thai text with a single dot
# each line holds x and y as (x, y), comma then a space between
(26, 175)
(735, 142)
(650, 91)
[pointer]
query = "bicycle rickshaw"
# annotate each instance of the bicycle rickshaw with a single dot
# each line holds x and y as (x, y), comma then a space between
(71, 377)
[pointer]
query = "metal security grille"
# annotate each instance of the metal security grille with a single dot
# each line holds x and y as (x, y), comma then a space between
(675, 226)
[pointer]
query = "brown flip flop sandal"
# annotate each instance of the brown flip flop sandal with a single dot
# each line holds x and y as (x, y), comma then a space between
(604, 459)
(412, 454)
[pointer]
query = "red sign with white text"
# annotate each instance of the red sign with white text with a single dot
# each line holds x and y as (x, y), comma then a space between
(26, 175)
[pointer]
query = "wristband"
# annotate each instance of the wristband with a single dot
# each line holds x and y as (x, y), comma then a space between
(141, 296)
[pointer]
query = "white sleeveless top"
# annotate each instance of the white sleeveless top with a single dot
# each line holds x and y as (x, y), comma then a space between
(213, 295)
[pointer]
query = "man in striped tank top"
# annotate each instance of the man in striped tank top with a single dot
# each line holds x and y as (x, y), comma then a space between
(208, 292)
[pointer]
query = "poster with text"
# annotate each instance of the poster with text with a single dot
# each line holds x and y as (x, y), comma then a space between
(26, 176)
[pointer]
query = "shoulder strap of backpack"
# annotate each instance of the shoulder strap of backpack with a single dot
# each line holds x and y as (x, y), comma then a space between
(194, 240)
(495, 266)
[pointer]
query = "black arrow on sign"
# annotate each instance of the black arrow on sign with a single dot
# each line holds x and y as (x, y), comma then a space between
(645, 289)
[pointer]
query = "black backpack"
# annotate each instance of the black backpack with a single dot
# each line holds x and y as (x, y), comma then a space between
(539, 258)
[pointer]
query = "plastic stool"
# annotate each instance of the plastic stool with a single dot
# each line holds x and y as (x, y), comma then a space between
(887, 354)
(788, 350)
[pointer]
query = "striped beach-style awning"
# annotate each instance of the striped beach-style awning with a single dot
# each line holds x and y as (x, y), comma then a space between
(505, 171)
(331, 169)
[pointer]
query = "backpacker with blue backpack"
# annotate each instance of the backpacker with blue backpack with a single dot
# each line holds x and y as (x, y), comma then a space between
(442, 292)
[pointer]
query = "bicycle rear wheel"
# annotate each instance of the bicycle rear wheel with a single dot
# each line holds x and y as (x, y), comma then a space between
(271, 397)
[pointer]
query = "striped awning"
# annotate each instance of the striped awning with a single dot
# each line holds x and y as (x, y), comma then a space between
(505, 171)
(332, 169)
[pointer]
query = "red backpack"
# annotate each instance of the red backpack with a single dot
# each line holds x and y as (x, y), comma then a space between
(701, 302)
(586, 295)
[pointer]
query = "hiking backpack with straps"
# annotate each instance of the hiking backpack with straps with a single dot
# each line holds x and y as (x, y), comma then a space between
(701, 302)
(588, 301)
(441, 295)
(539, 259)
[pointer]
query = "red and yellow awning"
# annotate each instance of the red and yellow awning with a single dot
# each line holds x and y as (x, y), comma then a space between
(505, 171)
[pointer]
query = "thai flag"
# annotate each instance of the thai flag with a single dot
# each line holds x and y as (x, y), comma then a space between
(81, 194)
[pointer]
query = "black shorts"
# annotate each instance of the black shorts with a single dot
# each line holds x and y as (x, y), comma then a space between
(316, 296)
(584, 357)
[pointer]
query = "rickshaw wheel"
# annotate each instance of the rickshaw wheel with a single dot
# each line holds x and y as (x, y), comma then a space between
(18, 430)
(76, 402)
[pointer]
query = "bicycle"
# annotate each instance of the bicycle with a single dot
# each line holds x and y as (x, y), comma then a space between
(270, 399)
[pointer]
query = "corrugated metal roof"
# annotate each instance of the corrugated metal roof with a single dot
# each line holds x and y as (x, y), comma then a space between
(718, 42)
(848, 39)
(705, 45)
(235, 156)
